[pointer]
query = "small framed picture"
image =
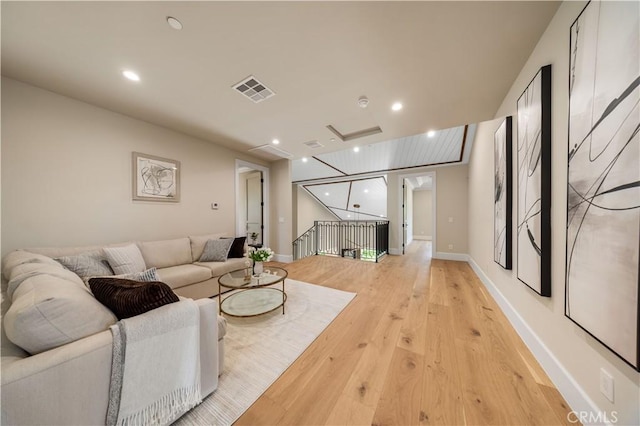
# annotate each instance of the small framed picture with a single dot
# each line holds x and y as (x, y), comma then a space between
(155, 178)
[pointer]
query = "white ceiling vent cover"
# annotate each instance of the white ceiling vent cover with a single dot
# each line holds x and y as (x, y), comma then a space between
(272, 150)
(253, 89)
(314, 144)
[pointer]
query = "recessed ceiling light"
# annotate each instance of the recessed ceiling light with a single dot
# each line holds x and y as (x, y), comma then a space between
(305, 159)
(366, 190)
(431, 133)
(356, 148)
(326, 193)
(332, 139)
(131, 75)
(363, 102)
(348, 215)
(174, 23)
(397, 106)
(275, 141)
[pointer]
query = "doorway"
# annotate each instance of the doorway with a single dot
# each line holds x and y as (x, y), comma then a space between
(413, 213)
(252, 213)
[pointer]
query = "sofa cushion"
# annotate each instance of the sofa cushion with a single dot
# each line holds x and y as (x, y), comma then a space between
(20, 257)
(182, 275)
(221, 268)
(237, 249)
(166, 253)
(198, 242)
(216, 250)
(128, 298)
(92, 263)
(125, 260)
(48, 312)
(21, 273)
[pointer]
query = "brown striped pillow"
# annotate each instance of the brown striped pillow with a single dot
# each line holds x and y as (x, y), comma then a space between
(128, 298)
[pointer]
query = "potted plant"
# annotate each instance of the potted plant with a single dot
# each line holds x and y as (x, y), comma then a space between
(259, 256)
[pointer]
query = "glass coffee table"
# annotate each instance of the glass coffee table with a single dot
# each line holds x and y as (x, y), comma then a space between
(253, 295)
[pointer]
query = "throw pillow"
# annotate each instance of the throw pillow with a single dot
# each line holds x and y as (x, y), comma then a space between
(237, 248)
(216, 250)
(128, 298)
(86, 264)
(149, 275)
(125, 260)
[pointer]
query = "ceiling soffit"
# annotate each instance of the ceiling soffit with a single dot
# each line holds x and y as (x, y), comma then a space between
(443, 147)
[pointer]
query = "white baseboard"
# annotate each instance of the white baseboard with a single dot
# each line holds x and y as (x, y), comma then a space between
(395, 251)
(568, 387)
(462, 257)
(422, 237)
(284, 258)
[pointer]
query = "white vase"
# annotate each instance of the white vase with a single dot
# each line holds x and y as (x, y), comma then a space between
(258, 267)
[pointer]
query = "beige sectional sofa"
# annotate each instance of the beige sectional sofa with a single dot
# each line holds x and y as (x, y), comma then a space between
(176, 260)
(65, 377)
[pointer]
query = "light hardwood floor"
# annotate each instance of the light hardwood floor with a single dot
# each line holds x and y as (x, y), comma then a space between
(422, 343)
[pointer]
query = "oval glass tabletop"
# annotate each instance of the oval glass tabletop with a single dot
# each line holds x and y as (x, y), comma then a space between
(241, 278)
(249, 303)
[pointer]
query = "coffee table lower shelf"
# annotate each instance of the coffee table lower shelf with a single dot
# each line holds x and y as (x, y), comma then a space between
(253, 302)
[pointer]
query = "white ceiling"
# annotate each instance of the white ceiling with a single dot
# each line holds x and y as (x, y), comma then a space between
(449, 63)
(370, 194)
(442, 147)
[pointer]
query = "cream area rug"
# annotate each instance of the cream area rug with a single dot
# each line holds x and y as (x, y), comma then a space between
(259, 349)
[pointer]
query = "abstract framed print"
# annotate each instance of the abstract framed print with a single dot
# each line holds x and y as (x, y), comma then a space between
(534, 184)
(603, 177)
(155, 178)
(502, 222)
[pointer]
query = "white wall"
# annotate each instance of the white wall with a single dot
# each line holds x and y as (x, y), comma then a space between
(66, 175)
(571, 357)
(281, 211)
(422, 215)
(307, 210)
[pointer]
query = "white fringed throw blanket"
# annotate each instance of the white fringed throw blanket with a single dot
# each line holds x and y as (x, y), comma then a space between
(155, 374)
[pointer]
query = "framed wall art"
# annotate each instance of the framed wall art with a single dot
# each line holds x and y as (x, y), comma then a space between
(534, 184)
(603, 178)
(502, 223)
(155, 178)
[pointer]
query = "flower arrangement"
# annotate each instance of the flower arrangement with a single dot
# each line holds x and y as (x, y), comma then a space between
(263, 254)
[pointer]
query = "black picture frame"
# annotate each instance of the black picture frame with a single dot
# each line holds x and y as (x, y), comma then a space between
(502, 200)
(534, 184)
(602, 275)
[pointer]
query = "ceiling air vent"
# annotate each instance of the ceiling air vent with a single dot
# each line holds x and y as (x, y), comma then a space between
(272, 150)
(253, 89)
(314, 144)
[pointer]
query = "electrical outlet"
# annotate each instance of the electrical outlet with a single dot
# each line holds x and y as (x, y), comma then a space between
(450, 246)
(214, 206)
(606, 384)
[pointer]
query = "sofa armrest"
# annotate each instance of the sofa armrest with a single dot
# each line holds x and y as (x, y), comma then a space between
(208, 345)
(66, 384)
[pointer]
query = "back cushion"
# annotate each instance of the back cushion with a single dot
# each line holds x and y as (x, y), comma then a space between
(47, 312)
(21, 273)
(166, 253)
(20, 257)
(198, 242)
